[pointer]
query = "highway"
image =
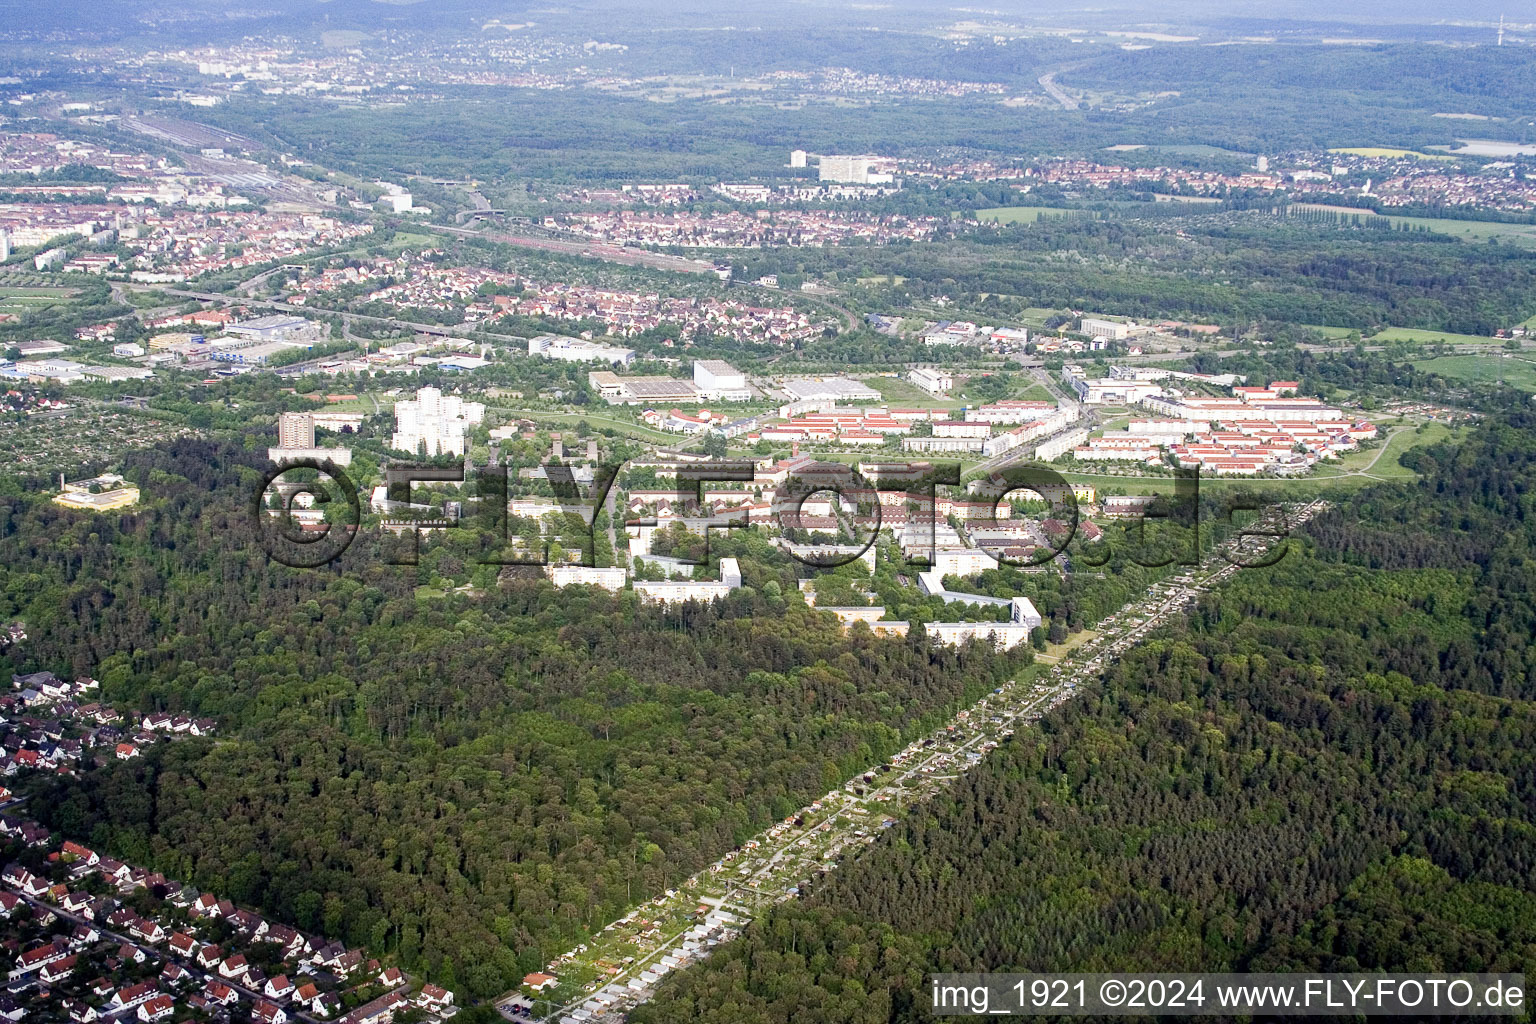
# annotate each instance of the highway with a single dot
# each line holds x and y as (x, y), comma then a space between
(621, 254)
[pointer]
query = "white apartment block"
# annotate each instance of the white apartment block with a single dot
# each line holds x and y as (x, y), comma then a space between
(1059, 446)
(434, 422)
(578, 350)
(1110, 329)
(578, 575)
(1003, 635)
(678, 591)
(934, 381)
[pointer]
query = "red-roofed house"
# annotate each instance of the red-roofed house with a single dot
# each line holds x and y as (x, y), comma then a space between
(435, 997)
(157, 1008)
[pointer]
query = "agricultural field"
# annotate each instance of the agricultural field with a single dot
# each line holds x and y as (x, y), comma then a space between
(1472, 230)
(1514, 369)
(1415, 334)
(1467, 230)
(1387, 151)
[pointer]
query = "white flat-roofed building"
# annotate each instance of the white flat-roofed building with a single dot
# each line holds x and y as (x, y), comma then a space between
(282, 456)
(1173, 429)
(959, 428)
(62, 371)
(295, 430)
(1010, 411)
(718, 380)
(1003, 635)
(116, 373)
(578, 575)
(962, 561)
(1025, 613)
(834, 388)
(1113, 330)
(1059, 445)
(942, 444)
(1114, 392)
(730, 572)
(678, 591)
(578, 350)
(932, 380)
(280, 327)
(851, 170)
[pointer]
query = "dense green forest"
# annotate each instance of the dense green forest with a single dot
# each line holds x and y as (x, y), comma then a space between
(1328, 767)
(1225, 268)
(473, 781)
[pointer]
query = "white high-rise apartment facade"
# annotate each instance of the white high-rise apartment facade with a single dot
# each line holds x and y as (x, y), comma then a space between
(434, 423)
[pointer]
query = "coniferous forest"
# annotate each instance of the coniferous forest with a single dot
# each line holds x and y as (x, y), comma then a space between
(470, 782)
(1330, 767)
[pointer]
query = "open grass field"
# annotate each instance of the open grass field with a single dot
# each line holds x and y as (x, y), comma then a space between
(596, 419)
(37, 291)
(25, 303)
(1427, 337)
(1055, 652)
(1466, 230)
(904, 392)
(31, 299)
(1472, 230)
(1388, 151)
(1025, 214)
(1331, 333)
(1516, 370)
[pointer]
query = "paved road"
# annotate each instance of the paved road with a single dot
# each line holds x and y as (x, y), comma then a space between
(1048, 83)
(609, 253)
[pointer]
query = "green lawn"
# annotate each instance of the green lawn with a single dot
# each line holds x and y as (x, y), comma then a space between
(31, 300)
(1387, 466)
(629, 427)
(1473, 230)
(1427, 337)
(1331, 333)
(1516, 370)
(905, 393)
(41, 291)
(1467, 230)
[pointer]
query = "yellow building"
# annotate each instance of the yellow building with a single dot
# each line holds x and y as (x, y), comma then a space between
(112, 492)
